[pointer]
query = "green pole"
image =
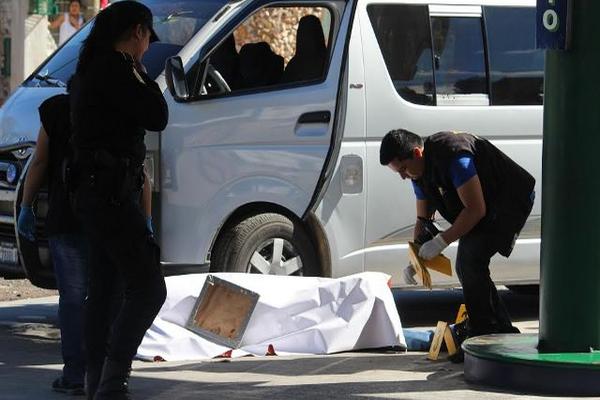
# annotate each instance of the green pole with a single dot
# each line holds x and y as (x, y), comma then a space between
(570, 250)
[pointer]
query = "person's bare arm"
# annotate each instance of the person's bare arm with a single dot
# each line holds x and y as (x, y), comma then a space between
(57, 22)
(37, 169)
(471, 195)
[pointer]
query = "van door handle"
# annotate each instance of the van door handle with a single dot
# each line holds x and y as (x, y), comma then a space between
(316, 117)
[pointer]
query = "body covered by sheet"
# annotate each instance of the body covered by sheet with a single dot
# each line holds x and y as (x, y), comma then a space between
(296, 315)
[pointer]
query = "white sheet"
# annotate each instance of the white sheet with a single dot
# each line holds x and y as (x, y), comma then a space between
(297, 315)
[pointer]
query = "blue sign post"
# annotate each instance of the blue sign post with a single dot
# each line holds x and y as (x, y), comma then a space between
(554, 24)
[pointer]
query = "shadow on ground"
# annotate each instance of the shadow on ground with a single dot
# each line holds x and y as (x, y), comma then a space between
(30, 360)
(29, 363)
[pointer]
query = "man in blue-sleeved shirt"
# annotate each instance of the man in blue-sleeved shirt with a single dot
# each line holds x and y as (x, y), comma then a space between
(485, 195)
(462, 168)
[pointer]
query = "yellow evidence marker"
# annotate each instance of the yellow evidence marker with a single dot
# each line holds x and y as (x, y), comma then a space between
(461, 315)
(442, 334)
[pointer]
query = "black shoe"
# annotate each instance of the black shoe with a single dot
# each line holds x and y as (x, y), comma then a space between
(92, 379)
(509, 329)
(458, 357)
(113, 383)
(460, 333)
(63, 386)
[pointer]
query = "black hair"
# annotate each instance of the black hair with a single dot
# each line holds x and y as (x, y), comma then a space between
(101, 39)
(75, 1)
(398, 143)
(110, 25)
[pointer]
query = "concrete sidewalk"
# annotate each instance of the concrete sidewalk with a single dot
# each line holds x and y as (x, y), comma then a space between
(30, 360)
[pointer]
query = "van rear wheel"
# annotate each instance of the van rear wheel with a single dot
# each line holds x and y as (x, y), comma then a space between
(270, 244)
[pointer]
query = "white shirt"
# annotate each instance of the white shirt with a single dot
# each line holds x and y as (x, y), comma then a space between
(67, 30)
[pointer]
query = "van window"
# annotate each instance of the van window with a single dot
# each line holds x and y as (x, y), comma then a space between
(404, 38)
(175, 22)
(274, 46)
(61, 65)
(441, 60)
(516, 66)
(459, 60)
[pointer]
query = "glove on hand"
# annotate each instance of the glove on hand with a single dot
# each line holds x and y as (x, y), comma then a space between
(433, 247)
(408, 274)
(149, 226)
(26, 223)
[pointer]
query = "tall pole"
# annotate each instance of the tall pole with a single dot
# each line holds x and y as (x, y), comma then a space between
(570, 254)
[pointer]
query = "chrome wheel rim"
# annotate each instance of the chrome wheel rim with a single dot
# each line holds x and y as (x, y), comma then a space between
(275, 256)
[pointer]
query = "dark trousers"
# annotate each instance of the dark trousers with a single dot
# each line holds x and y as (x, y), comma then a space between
(122, 256)
(487, 313)
(70, 257)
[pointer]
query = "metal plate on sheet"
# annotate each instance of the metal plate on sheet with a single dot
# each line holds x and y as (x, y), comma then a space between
(222, 312)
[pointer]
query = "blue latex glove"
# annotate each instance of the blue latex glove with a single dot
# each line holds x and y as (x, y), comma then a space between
(149, 226)
(26, 223)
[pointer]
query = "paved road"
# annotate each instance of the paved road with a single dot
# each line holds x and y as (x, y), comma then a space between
(30, 360)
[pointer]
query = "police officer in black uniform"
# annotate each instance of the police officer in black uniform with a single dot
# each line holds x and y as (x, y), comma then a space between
(113, 102)
(485, 195)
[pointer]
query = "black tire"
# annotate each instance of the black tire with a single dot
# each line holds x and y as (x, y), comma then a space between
(260, 234)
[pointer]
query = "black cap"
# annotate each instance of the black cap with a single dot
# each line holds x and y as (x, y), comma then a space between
(127, 13)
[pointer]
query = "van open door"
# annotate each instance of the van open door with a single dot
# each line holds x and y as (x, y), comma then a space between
(252, 122)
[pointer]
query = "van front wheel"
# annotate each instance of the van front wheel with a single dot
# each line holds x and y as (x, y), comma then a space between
(266, 244)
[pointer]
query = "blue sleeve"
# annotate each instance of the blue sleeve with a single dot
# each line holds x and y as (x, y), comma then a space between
(418, 192)
(462, 169)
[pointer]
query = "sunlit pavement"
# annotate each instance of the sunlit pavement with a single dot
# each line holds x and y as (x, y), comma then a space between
(30, 360)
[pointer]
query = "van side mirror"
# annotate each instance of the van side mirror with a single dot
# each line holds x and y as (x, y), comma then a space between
(176, 81)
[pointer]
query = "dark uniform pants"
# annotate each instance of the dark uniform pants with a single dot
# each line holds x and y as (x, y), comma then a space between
(124, 258)
(487, 313)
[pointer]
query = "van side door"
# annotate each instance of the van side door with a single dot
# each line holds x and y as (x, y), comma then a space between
(257, 128)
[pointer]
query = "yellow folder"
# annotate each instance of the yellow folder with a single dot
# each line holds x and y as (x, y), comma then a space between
(440, 264)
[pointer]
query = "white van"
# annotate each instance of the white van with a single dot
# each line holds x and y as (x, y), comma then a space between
(270, 162)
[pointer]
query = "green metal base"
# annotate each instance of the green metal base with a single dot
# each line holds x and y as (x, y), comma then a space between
(513, 362)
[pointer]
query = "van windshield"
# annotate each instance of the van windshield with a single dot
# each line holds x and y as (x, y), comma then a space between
(175, 22)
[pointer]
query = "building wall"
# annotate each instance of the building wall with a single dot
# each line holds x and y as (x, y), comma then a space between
(39, 43)
(19, 10)
(5, 32)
